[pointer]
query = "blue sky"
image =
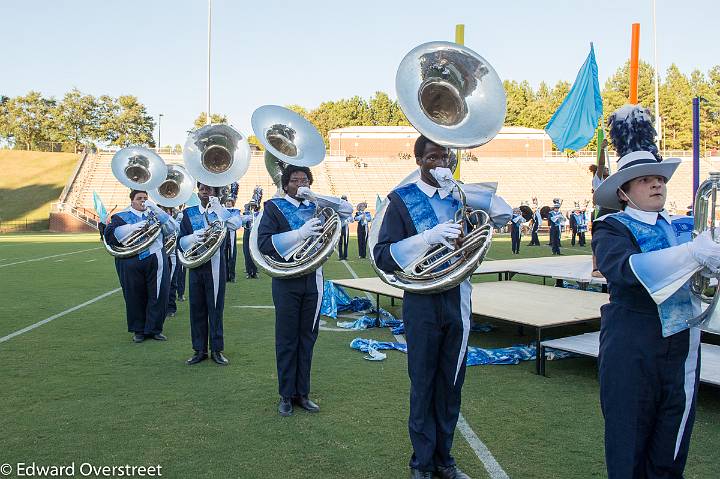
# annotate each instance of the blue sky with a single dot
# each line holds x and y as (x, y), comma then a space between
(284, 52)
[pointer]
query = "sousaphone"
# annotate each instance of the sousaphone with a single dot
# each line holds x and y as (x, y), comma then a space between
(289, 139)
(454, 97)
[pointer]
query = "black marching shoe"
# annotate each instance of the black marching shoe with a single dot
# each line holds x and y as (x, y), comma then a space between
(197, 357)
(170, 314)
(417, 474)
(305, 403)
(181, 298)
(138, 338)
(218, 357)
(159, 337)
(450, 472)
(285, 407)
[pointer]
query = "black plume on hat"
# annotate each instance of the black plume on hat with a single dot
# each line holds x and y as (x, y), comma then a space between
(631, 129)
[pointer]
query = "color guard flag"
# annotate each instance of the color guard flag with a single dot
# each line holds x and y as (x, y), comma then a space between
(99, 208)
(573, 124)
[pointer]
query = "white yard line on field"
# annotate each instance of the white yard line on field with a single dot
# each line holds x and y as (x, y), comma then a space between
(47, 257)
(483, 453)
(47, 320)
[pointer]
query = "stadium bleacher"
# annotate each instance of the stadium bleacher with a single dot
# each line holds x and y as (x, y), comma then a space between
(519, 179)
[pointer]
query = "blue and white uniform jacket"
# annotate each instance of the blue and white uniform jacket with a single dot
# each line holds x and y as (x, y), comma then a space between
(125, 222)
(580, 222)
(417, 207)
(640, 254)
(194, 220)
(517, 221)
(556, 219)
(363, 217)
(283, 216)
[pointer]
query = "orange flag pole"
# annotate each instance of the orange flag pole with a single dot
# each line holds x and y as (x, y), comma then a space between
(634, 63)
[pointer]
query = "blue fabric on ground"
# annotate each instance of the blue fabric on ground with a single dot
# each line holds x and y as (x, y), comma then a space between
(512, 355)
(595, 288)
(387, 320)
(336, 300)
(365, 345)
(476, 356)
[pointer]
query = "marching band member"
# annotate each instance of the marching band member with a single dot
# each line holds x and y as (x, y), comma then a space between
(555, 222)
(344, 236)
(516, 223)
(145, 277)
(537, 220)
(231, 239)
(419, 216)
(207, 281)
(173, 262)
(250, 214)
(649, 359)
(578, 224)
(285, 223)
(363, 219)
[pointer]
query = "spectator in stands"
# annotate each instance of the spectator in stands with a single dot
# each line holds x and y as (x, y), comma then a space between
(649, 359)
(419, 216)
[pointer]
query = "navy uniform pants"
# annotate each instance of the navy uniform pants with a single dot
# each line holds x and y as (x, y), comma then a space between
(534, 240)
(172, 305)
(231, 252)
(344, 241)
(362, 240)
(250, 267)
(515, 238)
(207, 305)
(555, 239)
(436, 328)
(297, 309)
(145, 284)
(648, 387)
(181, 274)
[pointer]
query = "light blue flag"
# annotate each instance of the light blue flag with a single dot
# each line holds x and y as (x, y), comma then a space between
(378, 202)
(99, 208)
(193, 201)
(573, 124)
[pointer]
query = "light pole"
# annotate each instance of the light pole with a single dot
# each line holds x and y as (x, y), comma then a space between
(159, 123)
(207, 118)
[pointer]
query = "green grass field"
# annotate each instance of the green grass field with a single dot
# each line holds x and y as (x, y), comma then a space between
(77, 388)
(37, 180)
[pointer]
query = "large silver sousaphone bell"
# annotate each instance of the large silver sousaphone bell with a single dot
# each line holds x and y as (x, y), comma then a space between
(176, 188)
(289, 139)
(216, 155)
(142, 169)
(450, 94)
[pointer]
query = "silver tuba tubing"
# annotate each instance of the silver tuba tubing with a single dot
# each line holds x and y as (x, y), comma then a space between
(705, 218)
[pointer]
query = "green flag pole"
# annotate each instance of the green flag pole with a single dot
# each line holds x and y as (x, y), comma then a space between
(460, 40)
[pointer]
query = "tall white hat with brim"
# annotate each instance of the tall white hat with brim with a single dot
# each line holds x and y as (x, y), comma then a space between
(631, 166)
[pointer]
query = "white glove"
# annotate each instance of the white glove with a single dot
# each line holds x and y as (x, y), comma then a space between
(312, 227)
(443, 177)
(215, 206)
(304, 192)
(440, 234)
(706, 251)
(150, 204)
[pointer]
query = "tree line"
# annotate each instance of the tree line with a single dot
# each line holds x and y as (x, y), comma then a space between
(33, 121)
